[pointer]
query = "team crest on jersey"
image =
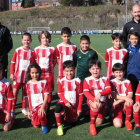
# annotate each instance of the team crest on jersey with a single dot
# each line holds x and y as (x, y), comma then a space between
(130, 52)
(79, 56)
(92, 85)
(63, 86)
(111, 55)
(89, 56)
(132, 28)
(14, 83)
(139, 50)
(40, 88)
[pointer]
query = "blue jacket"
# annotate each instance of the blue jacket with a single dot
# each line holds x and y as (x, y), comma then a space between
(133, 65)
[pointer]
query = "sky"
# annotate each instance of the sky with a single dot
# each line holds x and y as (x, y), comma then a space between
(14, 0)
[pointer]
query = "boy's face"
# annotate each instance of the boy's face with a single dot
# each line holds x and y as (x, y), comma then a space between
(69, 72)
(117, 43)
(134, 40)
(26, 41)
(44, 41)
(85, 44)
(95, 71)
(119, 75)
(66, 38)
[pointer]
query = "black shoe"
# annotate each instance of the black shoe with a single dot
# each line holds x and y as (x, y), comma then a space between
(137, 131)
(73, 124)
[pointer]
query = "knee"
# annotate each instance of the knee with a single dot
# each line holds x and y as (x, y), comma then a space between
(99, 121)
(58, 108)
(117, 124)
(36, 126)
(6, 129)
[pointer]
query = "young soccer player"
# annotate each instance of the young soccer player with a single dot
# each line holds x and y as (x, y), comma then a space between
(115, 54)
(70, 92)
(65, 50)
(6, 97)
(96, 89)
(37, 92)
(133, 65)
(136, 111)
(122, 94)
(83, 56)
(22, 58)
(46, 59)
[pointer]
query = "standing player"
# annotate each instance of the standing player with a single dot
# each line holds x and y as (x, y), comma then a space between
(122, 94)
(6, 97)
(37, 92)
(115, 54)
(65, 50)
(96, 88)
(22, 58)
(70, 92)
(82, 58)
(44, 55)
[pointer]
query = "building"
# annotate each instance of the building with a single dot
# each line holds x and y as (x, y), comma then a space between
(16, 5)
(5, 5)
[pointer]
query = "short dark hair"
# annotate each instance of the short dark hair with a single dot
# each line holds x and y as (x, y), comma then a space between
(47, 35)
(85, 37)
(27, 34)
(1, 67)
(95, 62)
(68, 64)
(135, 33)
(66, 30)
(116, 36)
(118, 67)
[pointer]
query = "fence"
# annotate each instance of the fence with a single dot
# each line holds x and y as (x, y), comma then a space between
(56, 24)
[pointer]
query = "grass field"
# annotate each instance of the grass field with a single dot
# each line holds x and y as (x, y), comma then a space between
(23, 130)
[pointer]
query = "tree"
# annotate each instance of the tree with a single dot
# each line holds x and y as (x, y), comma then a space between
(93, 2)
(73, 2)
(119, 1)
(27, 3)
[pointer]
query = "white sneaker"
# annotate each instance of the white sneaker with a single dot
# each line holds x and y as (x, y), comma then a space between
(24, 112)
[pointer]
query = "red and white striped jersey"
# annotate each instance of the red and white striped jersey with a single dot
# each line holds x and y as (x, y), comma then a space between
(123, 89)
(137, 94)
(71, 91)
(45, 58)
(6, 95)
(64, 53)
(92, 87)
(22, 58)
(113, 56)
(35, 93)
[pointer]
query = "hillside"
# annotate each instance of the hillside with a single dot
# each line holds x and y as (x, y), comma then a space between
(101, 17)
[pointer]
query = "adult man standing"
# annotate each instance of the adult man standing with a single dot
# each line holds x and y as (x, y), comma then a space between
(132, 25)
(6, 44)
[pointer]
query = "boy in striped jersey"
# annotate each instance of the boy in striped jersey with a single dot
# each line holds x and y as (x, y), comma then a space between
(96, 88)
(122, 94)
(115, 54)
(65, 50)
(70, 92)
(21, 59)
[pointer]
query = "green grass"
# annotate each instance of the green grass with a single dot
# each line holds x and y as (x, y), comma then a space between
(23, 130)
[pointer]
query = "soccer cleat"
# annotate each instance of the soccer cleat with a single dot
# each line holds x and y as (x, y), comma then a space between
(24, 112)
(92, 129)
(137, 131)
(128, 125)
(60, 130)
(44, 129)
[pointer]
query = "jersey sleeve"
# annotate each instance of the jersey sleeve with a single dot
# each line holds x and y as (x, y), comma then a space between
(88, 95)
(46, 89)
(10, 97)
(112, 86)
(61, 93)
(33, 57)
(81, 96)
(13, 62)
(75, 57)
(129, 89)
(95, 56)
(57, 55)
(106, 58)
(107, 90)
(137, 94)
(25, 91)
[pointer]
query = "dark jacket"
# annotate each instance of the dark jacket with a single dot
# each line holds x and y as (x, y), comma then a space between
(133, 66)
(6, 44)
(128, 27)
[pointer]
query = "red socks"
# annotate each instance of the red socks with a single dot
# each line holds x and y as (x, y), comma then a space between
(129, 110)
(93, 116)
(58, 118)
(136, 116)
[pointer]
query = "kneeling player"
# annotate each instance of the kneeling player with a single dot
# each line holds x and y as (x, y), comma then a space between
(96, 89)
(122, 95)
(6, 97)
(70, 92)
